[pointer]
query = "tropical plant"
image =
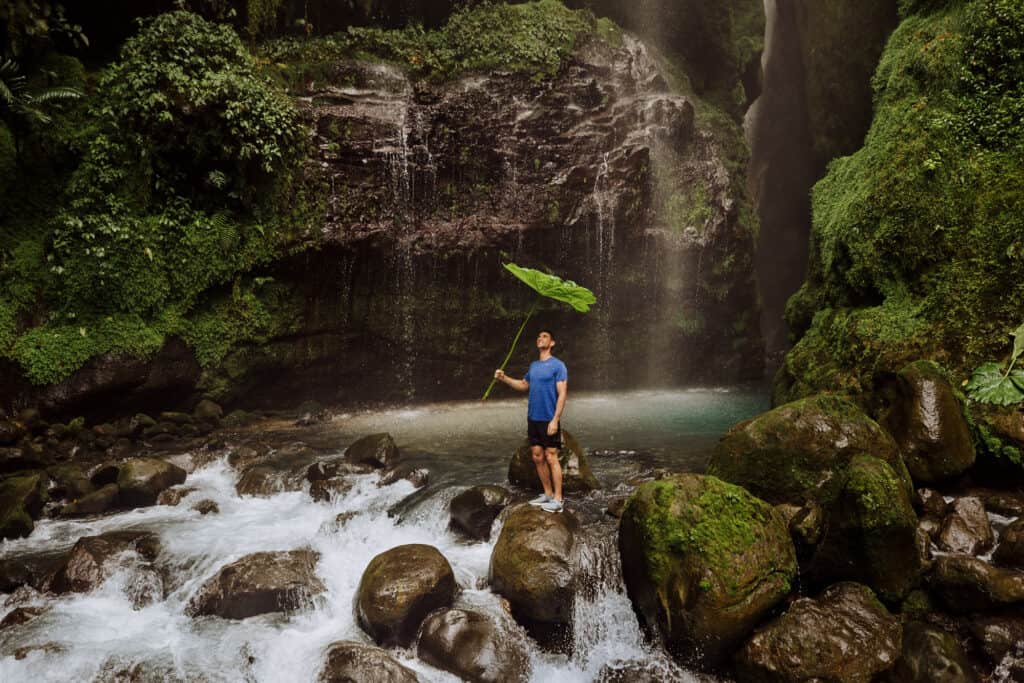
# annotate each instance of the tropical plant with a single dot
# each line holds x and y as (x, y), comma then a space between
(991, 383)
(20, 107)
(25, 24)
(551, 287)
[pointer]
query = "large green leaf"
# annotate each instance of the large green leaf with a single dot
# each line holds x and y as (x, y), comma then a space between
(1018, 342)
(990, 385)
(555, 287)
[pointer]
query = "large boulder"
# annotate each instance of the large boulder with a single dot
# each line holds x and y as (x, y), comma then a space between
(469, 645)
(967, 584)
(577, 477)
(1010, 551)
(474, 510)
(966, 528)
(376, 450)
(532, 567)
(931, 655)
(928, 424)
(350, 662)
(97, 502)
(33, 569)
(94, 558)
(140, 480)
(21, 502)
(260, 583)
(399, 588)
(871, 532)
(703, 562)
(801, 450)
(845, 634)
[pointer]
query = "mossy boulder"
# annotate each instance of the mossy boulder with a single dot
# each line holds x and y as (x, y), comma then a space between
(470, 645)
(800, 450)
(931, 655)
(399, 588)
(703, 562)
(21, 502)
(141, 480)
(845, 634)
(474, 510)
(94, 503)
(351, 662)
(926, 419)
(871, 531)
(577, 477)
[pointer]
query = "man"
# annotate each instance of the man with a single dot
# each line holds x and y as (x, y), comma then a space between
(546, 381)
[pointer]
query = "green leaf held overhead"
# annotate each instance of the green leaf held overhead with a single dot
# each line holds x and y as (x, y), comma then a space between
(554, 287)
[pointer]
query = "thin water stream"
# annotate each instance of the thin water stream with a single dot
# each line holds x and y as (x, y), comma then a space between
(96, 635)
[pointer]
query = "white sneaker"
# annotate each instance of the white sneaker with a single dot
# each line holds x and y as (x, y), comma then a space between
(552, 506)
(540, 500)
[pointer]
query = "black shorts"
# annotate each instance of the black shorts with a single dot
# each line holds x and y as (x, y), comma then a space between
(537, 433)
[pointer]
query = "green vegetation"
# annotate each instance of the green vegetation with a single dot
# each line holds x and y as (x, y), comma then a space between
(992, 384)
(917, 245)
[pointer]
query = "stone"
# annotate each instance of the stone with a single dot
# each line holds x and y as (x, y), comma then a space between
(21, 503)
(998, 635)
(139, 423)
(926, 419)
(577, 477)
(258, 584)
(1010, 551)
(207, 411)
(97, 502)
(326, 490)
(703, 562)
(932, 503)
(94, 558)
(68, 482)
(532, 567)
(417, 476)
(377, 450)
(173, 495)
(206, 507)
(930, 655)
(399, 588)
(141, 480)
(657, 671)
(845, 634)
(34, 570)
(469, 645)
(19, 616)
(966, 528)
(350, 662)
(967, 584)
(11, 432)
(474, 510)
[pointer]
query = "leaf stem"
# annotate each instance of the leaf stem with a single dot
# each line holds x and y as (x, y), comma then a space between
(515, 341)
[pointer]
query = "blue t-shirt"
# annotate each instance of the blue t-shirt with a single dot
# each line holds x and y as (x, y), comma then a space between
(542, 376)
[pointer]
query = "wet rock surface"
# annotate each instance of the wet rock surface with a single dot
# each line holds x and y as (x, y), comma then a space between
(141, 480)
(259, 583)
(845, 634)
(967, 584)
(99, 501)
(350, 662)
(931, 655)
(998, 635)
(1010, 551)
(469, 645)
(399, 588)
(376, 450)
(21, 503)
(577, 477)
(474, 510)
(966, 528)
(94, 559)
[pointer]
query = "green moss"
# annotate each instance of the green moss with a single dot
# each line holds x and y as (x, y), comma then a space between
(881, 496)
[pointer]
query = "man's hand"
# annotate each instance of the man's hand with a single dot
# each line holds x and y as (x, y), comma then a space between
(499, 375)
(552, 427)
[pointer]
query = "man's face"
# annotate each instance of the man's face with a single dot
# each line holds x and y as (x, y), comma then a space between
(544, 341)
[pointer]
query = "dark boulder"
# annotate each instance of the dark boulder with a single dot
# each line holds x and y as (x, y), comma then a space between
(28, 456)
(19, 616)
(577, 477)
(349, 662)
(258, 584)
(1010, 551)
(417, 476)
(141, 480)
(206, 507)
(703, 562)
(997, 635)
(966, 528)
(68, 482)
(469, 645)
(21, 502)
(207, 411)
(932, 503)
(474, 510)
(94, 558)
(845, 634)
(399, 588)
(926, 419)
(967, 584)
(34, 570)
(377, 450)
(532, 567)
(325, 490)
(11, 432)
(97, 502)
(930, 655)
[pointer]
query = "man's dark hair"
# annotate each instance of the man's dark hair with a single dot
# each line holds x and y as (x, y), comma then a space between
(550, 333)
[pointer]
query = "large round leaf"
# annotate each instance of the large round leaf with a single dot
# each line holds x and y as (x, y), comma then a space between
(555, 287)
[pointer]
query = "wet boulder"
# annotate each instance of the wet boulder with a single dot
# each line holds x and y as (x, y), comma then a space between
(932, 503)
(967, 584)
(417, 476)
(34, 570)
(703, 562)
(845, 634)
(206, 507)
(99, 501)
(376, 450)
(173, 496)
(966, 528)
(469, 645)
(260, 583)
(350, 662)
(399, 588)
(68, 482)
(141, 480)
(997, 635)
(800, 451)
(20, 615)
(1010, 551)
(325, 490)
(21, 503)
(577, 477)
(94, 558)
(931, 655)
(927, 422)
(532, 567)
(474, 510)
(871, 532)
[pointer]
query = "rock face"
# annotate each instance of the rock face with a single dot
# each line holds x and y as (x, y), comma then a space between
(576, 473)
(260, 583)
(928, 424)
(703, 562)
(473, 511)
(140, 480)
(21, 502)
(469, 645)
(930, 655)
(845, 634)
(532, 567)
(399, 588)
(349, 662)
(968, 584)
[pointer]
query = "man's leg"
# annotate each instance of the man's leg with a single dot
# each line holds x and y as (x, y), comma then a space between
(551, 455)
(542, 470)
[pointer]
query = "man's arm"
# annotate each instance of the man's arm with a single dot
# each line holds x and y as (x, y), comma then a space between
(559, 407)
(518, 384)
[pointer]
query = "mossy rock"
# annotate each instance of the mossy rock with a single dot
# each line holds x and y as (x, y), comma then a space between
(376, 450)
(577, 477)
(141, 480)
(703, 562)
(21, 502)
(931, 655)
(800, 450)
